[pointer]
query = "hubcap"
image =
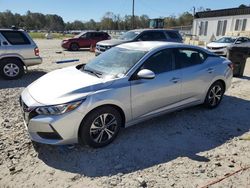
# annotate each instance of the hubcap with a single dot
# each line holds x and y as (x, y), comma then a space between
(11, 69)
(215, 95)
(103, 128)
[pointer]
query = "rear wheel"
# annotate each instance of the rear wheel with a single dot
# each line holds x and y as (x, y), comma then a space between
(74, 47)
(214, 95)
(11, 69)
(100, 127)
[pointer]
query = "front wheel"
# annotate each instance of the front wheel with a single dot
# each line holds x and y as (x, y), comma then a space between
(100, 127)
(214, 95)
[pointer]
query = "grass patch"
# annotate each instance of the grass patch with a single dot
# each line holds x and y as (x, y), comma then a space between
(37, 35)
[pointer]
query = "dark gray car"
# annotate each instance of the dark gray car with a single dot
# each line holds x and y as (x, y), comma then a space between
(140, 35)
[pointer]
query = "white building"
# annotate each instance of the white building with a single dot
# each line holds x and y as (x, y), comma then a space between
(210, 25)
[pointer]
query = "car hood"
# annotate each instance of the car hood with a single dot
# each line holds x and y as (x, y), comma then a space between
(112, 42)
(65, 85)
(218, 45)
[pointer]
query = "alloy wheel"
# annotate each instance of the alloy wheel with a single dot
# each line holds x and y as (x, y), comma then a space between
(215, 95)
(11, 70)
(103, 128)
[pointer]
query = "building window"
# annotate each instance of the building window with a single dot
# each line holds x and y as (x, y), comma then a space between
(221, 28)
(240, 25)
(203, 28)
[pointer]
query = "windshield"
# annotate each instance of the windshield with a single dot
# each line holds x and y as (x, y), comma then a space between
(130, 35)
(226, 40)
(115, 62)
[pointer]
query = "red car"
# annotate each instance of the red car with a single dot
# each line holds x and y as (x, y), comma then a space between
(84, 40)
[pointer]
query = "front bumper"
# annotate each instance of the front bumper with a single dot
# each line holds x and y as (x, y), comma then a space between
(51, 129)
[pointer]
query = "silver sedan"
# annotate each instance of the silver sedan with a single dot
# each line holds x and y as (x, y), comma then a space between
(127, 84)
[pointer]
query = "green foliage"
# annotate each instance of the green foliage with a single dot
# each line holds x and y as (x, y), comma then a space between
(110, 21)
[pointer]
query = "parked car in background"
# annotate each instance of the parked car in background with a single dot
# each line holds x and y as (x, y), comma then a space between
(119, 88)
(17, 51)
(140, 35)
(220, 46)
(84, 40)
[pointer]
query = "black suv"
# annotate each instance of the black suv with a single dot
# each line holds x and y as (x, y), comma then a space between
(140, 35)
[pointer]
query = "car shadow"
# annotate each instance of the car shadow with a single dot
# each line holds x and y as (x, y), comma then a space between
(24, 81)
(185, 133)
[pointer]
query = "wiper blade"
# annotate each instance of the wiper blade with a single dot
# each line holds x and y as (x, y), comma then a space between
(97, 74)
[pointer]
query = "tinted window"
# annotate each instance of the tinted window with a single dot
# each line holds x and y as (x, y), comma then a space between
(173, 35)
(188, 57)
(160, 62)
(15, 37)
(152, 36)
(99, 35)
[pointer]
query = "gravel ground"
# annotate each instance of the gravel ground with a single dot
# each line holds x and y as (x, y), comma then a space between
(188, 148)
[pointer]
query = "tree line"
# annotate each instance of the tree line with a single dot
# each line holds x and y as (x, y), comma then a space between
(110, 21)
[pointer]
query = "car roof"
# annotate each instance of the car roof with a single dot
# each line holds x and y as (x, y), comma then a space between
(141, 30)
(11, 29)
(151, 45)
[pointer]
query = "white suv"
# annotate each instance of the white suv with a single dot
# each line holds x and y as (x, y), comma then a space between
(17, 50)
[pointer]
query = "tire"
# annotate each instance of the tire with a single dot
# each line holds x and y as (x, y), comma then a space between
(74, 47)
(11, 69)
(92, 131)
(214, 95)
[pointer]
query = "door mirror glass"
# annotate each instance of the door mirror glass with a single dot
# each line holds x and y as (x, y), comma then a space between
(5, 43)
(146, 74)
(238, 42)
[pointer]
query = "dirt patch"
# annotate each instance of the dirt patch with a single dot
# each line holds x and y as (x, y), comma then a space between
(188, 148)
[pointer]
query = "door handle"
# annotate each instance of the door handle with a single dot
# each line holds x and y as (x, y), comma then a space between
(210, 70)
(175, 80)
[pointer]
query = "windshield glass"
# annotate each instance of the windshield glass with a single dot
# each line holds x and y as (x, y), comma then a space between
(226, 40)
(115, 62)
(130, 35)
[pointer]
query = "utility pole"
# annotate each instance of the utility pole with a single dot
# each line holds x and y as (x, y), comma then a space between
(133, 15)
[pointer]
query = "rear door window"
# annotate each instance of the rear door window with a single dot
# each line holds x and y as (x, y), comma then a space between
(185, 57)
(152, 36)
(173, 35)
(15, 37)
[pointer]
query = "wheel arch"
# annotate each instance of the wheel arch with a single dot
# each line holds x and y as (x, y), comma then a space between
(119, 109)
(2, 59)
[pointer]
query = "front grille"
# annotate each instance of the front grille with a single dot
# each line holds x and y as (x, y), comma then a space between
(102, 48)
(215, 48)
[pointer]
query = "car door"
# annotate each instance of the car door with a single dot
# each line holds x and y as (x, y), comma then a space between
(85, 40)
(196, 74)
(150, 96)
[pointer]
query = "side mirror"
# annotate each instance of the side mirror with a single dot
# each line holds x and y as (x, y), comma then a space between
(146, 74)
(5, 43)
(238, 42)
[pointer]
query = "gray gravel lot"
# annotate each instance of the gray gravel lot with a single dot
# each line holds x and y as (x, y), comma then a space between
(188, 148)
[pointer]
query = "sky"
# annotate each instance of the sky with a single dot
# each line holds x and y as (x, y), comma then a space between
(85, 10)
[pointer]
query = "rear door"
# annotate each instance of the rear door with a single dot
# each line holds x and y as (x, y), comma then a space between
(85, 40)
(149, 96)
(196, 73)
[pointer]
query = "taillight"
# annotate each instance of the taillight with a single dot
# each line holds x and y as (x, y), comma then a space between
(36, 51)
(231, 65)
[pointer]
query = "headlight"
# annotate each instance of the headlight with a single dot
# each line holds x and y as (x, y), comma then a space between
(58, 109)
